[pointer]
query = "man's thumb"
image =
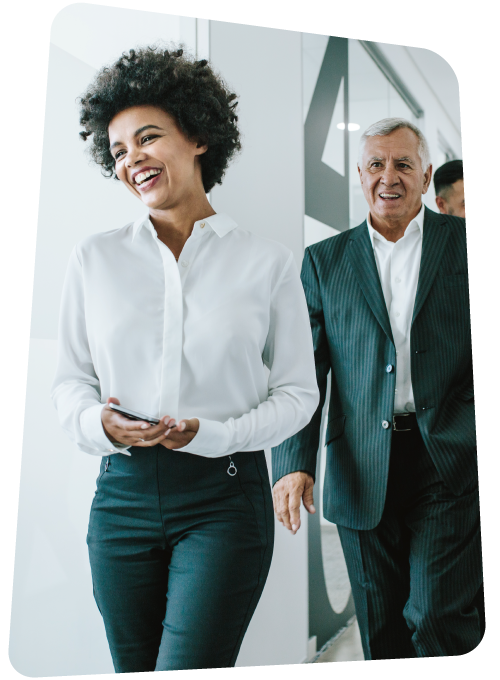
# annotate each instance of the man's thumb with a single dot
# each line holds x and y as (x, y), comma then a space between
(308, 500)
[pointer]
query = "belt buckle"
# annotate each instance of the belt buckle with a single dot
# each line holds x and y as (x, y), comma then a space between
(398, 429)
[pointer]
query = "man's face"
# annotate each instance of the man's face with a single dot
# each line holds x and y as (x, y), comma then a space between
(453, 201)
(392, 178)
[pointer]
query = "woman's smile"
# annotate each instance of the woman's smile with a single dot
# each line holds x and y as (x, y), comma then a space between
(146, 178)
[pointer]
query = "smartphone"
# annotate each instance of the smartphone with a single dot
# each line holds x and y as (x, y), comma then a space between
(133, 415)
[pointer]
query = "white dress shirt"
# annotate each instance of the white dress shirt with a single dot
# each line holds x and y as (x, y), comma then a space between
(222, 335)
(398, 266)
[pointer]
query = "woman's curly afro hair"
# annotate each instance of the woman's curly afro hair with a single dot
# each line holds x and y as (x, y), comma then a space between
(187, 89)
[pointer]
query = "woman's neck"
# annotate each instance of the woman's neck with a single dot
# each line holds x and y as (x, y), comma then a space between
(174, 225)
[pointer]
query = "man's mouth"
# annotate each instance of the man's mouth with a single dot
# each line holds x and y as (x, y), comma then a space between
(389, 197)
(143, 178)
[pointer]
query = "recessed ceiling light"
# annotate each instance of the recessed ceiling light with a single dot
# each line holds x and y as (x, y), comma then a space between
(352, 127)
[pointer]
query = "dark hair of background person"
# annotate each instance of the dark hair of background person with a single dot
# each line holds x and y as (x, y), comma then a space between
(188, 90)
(446, 175)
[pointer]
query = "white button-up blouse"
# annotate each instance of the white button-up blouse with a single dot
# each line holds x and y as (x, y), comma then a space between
(222, 335)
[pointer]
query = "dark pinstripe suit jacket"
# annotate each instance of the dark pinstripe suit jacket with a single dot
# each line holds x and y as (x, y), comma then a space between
(352, 337)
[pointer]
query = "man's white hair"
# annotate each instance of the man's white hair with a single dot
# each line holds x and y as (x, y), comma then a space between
(385, 127)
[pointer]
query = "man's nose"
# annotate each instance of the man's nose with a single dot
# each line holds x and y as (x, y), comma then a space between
(390, 176)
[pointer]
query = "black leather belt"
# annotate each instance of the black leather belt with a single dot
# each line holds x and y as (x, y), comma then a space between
(404, 422)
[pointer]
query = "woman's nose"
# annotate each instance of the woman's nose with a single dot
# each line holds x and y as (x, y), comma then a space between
(135, 156)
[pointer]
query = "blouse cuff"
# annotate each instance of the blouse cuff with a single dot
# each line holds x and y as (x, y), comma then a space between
(211, 440)
(93, 431)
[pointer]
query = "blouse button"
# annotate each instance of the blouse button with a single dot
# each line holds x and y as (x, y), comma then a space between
(202, 225)
(184, 263)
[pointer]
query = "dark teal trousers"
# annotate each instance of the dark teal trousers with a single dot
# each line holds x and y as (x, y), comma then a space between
(179, 552)
(416, 577)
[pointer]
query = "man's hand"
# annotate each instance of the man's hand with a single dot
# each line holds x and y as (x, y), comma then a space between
(287, 493)
(181, 435)
(123, 430)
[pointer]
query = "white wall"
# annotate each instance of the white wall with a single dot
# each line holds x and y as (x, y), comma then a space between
(264, 192)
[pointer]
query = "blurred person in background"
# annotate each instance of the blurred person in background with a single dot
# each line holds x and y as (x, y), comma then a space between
(449, 188)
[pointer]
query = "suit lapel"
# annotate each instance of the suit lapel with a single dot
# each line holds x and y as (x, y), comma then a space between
(434, 241)
(362, 260)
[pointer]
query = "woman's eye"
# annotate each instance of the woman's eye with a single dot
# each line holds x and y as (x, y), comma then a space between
(117, 156)
(148, 137)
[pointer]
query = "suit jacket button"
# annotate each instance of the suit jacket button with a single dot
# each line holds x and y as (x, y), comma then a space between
(385, 424)
(389, 368)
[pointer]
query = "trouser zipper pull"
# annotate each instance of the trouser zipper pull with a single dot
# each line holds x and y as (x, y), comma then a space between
(231, 471)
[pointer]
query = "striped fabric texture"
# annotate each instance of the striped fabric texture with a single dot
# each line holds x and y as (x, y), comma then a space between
(353, 339)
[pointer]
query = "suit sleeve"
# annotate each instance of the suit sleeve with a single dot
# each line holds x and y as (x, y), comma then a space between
(300, 451)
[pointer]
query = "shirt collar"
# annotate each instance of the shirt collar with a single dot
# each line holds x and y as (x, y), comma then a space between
(219, 223)
(416, 223)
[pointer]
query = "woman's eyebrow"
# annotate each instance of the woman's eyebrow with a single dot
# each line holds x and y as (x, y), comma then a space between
(136, 133)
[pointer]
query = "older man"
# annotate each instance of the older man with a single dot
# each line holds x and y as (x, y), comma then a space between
(449, 188)
(389, 310)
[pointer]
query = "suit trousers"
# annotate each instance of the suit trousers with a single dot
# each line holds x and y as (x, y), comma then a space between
(416, 577)
(179, 552)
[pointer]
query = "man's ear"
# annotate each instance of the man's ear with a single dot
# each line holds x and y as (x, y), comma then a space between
(427, 179)
(441, 204)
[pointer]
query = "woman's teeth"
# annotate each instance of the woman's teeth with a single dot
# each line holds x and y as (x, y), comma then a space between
(139, 179)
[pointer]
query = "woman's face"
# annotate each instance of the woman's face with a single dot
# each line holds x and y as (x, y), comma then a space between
(153, 157)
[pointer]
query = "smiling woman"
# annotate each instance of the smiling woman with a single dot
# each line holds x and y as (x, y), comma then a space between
(188, 90)
(186, 318)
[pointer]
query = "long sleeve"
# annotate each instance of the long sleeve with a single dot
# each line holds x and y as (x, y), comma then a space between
(299, 452)
(76, 390)
(293, 393)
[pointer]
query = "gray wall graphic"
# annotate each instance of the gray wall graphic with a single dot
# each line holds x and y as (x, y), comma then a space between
(326, 190)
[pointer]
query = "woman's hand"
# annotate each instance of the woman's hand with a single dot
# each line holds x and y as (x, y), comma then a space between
(181, 435)
(123, 430)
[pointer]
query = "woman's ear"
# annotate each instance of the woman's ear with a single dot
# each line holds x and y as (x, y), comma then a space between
(201, 147)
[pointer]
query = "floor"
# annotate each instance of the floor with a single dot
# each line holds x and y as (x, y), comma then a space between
(347, 647)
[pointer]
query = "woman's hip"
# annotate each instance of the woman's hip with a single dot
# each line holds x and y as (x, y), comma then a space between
(162, 494)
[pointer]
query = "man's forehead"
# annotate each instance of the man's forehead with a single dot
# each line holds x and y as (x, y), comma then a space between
(383, 148)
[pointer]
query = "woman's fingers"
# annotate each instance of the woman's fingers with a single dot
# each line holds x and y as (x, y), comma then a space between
(141, 428)
(150, 442)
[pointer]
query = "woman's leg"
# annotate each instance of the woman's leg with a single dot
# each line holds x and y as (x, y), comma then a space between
(129, 559)
(221, 530)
